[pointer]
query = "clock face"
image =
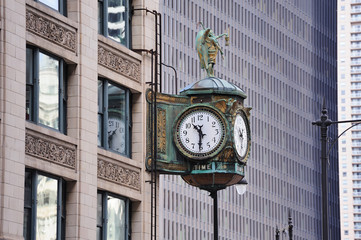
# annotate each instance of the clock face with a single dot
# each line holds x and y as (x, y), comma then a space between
(199, 132)
(241, 135)
(116, 134)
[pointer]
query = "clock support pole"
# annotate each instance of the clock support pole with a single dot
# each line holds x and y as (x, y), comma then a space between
(215, 214)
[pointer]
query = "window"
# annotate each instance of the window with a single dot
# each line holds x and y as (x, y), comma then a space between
(44, 206)
(114, 20)
(58, 5)
(114, 119)
(112, 217)
(45, 89)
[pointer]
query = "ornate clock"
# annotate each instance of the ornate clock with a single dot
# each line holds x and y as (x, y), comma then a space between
(200, 132)
(241, 135)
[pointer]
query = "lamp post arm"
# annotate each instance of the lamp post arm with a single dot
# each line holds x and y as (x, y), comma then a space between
(333, 143)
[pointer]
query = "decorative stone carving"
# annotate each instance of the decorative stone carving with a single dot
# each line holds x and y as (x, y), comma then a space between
(118, 64)
(119, 174)
(41, 147)
(48, 29)
(161, 133)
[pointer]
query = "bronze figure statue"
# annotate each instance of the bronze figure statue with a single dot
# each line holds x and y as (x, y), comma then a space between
(207, 47)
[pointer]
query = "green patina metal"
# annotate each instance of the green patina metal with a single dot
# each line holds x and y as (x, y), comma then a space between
(213, 86)
(207, 47)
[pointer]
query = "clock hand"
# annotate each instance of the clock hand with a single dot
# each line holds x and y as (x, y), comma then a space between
(200, 131)
(241, 136)
(201, 135)
(198, 128)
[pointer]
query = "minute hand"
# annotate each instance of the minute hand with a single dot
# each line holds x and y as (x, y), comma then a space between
(201, 135)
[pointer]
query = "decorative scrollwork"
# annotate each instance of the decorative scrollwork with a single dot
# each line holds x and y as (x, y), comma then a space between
(51, 151)
(118, 64)
(161, 133)
(50, 30)
(118, 174)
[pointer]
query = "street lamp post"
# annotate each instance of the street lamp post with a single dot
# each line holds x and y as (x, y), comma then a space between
(241, 188)
(324, 122)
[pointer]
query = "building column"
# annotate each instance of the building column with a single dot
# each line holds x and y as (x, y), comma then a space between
(12, 114)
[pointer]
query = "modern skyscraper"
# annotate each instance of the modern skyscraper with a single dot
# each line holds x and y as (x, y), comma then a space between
(283, 55)
(349, 107)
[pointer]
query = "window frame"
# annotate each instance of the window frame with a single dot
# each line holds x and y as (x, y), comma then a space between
(61, 203)
(34, 89)
(104, 217)
(104, 21)
(62, 5)
(104, 117)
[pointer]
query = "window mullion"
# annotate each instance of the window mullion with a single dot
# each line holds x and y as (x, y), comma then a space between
(127, 219)
(105, 115)
(105, 215)
(33, 203)
(105, 18)
(127, 23)
(59, 209)
(36, 86)
(61, 96)
(128, 122)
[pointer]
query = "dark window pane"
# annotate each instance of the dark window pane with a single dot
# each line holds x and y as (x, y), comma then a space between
(100, 97)
(116, 119)
(46, 212)
(100, 17)
(116, 219)
(100, 130)
(27, 194)
(27, 206)
(27, 224)
(29, 66)
(48, 91)
(29, 103)
(99, 209)
(29, 83)
(116, 20)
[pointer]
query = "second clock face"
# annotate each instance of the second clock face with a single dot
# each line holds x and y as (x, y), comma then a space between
(200, 132)
(241, 135)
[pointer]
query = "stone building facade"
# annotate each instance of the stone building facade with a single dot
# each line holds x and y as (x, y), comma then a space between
(72, 110)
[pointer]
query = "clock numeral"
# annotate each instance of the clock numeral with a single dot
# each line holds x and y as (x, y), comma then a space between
(188, 125)
(200, 117)
(193, 144)
(200, 148)
(208, 145)
(207, 118)
(217, 131)
(214, 139)
(193, 119)
(213, 124)
(187, 140)
(185, 132)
